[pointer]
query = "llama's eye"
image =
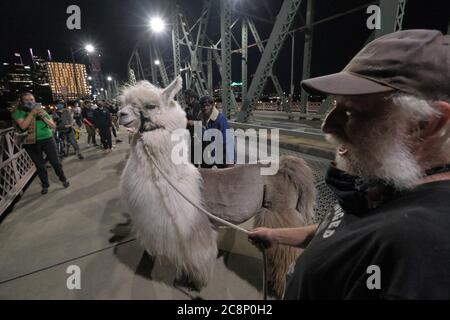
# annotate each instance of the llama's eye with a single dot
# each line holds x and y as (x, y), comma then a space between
(150, 106)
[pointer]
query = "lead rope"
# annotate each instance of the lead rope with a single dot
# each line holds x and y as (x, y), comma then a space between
(209, 214)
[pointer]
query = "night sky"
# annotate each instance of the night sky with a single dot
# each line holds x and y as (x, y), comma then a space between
(115, 26)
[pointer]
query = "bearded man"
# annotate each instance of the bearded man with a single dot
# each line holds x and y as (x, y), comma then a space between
(389, 236)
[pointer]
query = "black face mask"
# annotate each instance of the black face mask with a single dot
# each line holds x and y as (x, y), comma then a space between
(28, 106)
(357, 197)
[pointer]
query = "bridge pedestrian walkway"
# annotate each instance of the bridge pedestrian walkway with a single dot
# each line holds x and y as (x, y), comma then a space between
(85, 225)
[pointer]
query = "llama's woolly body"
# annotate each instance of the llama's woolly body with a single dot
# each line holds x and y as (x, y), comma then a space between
(165, 223)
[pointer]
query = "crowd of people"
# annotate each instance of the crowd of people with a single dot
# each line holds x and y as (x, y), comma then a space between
(42, 129)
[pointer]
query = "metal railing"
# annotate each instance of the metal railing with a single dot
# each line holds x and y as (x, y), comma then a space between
(16, 168)
(315, 110)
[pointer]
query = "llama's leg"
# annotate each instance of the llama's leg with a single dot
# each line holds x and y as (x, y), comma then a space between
(279, 258)
(184, 280)
(199, 260)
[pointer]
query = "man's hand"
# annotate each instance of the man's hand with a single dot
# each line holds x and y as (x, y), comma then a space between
(296, 237)
(263, 238)
(36, 111)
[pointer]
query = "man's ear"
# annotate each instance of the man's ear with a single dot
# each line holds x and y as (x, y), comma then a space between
(172, 89)
(430, 127)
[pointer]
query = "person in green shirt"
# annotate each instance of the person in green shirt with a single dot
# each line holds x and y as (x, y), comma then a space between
(26, 115)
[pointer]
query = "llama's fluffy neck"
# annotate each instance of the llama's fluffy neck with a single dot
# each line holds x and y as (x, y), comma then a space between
(157, 146)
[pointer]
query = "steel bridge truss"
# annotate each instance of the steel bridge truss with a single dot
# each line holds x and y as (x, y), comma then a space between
(203, 52)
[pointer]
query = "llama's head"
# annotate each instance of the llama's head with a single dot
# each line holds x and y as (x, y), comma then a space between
(148, 108)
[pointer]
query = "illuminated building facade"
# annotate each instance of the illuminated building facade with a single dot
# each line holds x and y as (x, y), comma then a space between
(68, 81)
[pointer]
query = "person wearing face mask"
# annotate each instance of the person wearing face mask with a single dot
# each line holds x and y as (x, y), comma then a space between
(65, 127)
(388, 236)
(29, 116)
(103, 125)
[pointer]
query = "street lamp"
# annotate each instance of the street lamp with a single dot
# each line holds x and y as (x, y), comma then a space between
(89, 78)
(89, 48)
(157, 62)
(157, 24)
(109, 78)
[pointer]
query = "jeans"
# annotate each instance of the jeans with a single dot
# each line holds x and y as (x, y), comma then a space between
(78, 120)
(106, 138)
(114, 131)
(36, 151)
(91, 134)
(70, 135)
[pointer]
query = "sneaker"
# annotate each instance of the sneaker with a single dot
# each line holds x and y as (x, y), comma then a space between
(80, 156)
(44, 191)
(66, 184)
(119, 141)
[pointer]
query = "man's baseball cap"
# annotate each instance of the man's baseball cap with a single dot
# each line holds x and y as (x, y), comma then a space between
(206, 100)
(412, 61)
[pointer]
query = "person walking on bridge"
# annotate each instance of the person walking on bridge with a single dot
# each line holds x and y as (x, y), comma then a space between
(30, 116)
(103, 125)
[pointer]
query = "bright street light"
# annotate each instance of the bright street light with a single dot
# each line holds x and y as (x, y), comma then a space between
(89, 48)
(109, 78)
(89, 78)
(157, 24)
(157, 62)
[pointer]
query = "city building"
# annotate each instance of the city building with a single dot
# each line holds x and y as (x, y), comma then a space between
(47, 80)
(14, 79)
(39, 76)
(68, 81)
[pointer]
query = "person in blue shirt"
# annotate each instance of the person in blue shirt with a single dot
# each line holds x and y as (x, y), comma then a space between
(213, 119)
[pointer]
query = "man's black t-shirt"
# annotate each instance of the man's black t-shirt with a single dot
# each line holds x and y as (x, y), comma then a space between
(400, 250)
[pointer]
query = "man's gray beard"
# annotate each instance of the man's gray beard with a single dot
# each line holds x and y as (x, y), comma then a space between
(386, 159)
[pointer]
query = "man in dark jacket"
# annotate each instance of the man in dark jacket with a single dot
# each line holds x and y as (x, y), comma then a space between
(215, 120)
(103, 125)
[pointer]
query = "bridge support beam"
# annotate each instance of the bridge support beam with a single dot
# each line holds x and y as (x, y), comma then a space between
(307, 52)
(225, 30)
(280, 30)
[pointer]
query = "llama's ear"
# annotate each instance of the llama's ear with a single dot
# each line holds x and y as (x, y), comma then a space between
(172, 89)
